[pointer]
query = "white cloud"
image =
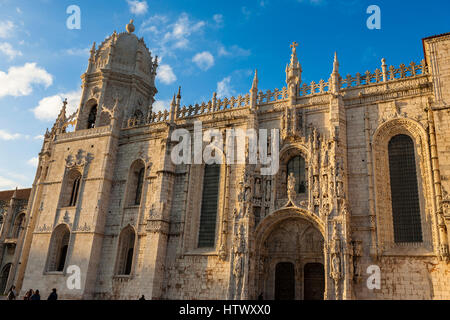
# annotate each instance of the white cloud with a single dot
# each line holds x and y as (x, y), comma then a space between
(224, 88)
(170, 36)
(7, 184)
(161, 105)
(138, 7)
(33, 162)
(5, 135)
(204, 60)
(49, 107)
(19, 80)
(7, 49)
(6, 28)
(234, 51)
(218, 18)
(39, 137)
(165, 74)
(78, 52)
(181, 30)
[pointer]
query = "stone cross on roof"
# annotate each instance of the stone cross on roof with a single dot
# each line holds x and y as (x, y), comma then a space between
(294, 45)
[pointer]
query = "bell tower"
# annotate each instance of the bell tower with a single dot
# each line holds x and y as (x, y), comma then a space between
(120, 70)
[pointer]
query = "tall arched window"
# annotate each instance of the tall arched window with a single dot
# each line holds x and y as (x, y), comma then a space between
(135, 183)
(4, 278)
(126, 251)
(404, 190)
(92, 117)
(72, 188)
(297, 166)
(208, 216)
(18, 225)
(140, 181)
(58, 248)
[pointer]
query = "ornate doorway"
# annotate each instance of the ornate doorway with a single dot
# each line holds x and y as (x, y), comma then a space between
(290, 259)
(285, 281)
(314, 281)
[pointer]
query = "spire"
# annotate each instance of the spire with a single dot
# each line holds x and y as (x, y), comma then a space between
(293, 73)
(384, 69)
(254, 91)
(335, 77)
(178, 97)
(14, 196)
(335, 63)
(294, 58)
(255, 81)
(173, 107)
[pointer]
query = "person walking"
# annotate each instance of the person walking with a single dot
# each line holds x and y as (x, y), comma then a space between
(28, 295)
(142, 298)
(53, 295)
(12, 293)
(36, 296)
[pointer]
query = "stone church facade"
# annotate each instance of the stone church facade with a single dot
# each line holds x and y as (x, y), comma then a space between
(362, 185)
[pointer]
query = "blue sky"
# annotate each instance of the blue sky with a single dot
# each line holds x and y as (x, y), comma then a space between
(205, 46)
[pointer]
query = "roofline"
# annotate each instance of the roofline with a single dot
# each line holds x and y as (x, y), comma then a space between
(429, 38)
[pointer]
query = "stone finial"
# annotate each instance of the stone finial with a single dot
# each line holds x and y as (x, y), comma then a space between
(384, 69)
(335, 63)
(293, 72)
(14, 196)
(255, 81)
(130, 27)
(178, 101)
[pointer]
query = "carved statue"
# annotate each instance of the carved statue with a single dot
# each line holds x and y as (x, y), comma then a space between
(325, 186)
(268, 190)
(291, 187)
(258, 188)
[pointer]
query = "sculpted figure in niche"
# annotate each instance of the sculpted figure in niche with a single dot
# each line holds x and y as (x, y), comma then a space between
(268, 190)
(258, 188)
(291, 186)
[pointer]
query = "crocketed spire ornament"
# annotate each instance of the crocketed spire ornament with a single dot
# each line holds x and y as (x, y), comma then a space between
(293, 72)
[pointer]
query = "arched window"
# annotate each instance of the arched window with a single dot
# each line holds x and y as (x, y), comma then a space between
(208, 216)
(92, 117)
(4, 278)
(135, 183)
(404, 190)
(72, 188)
(58, 248)
(18, 226)
(297, 166)
(126, 251)
(140, 180)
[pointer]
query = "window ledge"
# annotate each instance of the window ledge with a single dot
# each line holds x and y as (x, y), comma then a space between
(202, 252)
(54, 273)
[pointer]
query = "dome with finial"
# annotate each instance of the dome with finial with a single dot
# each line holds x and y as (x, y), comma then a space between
(124, 52)
(130, 26)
